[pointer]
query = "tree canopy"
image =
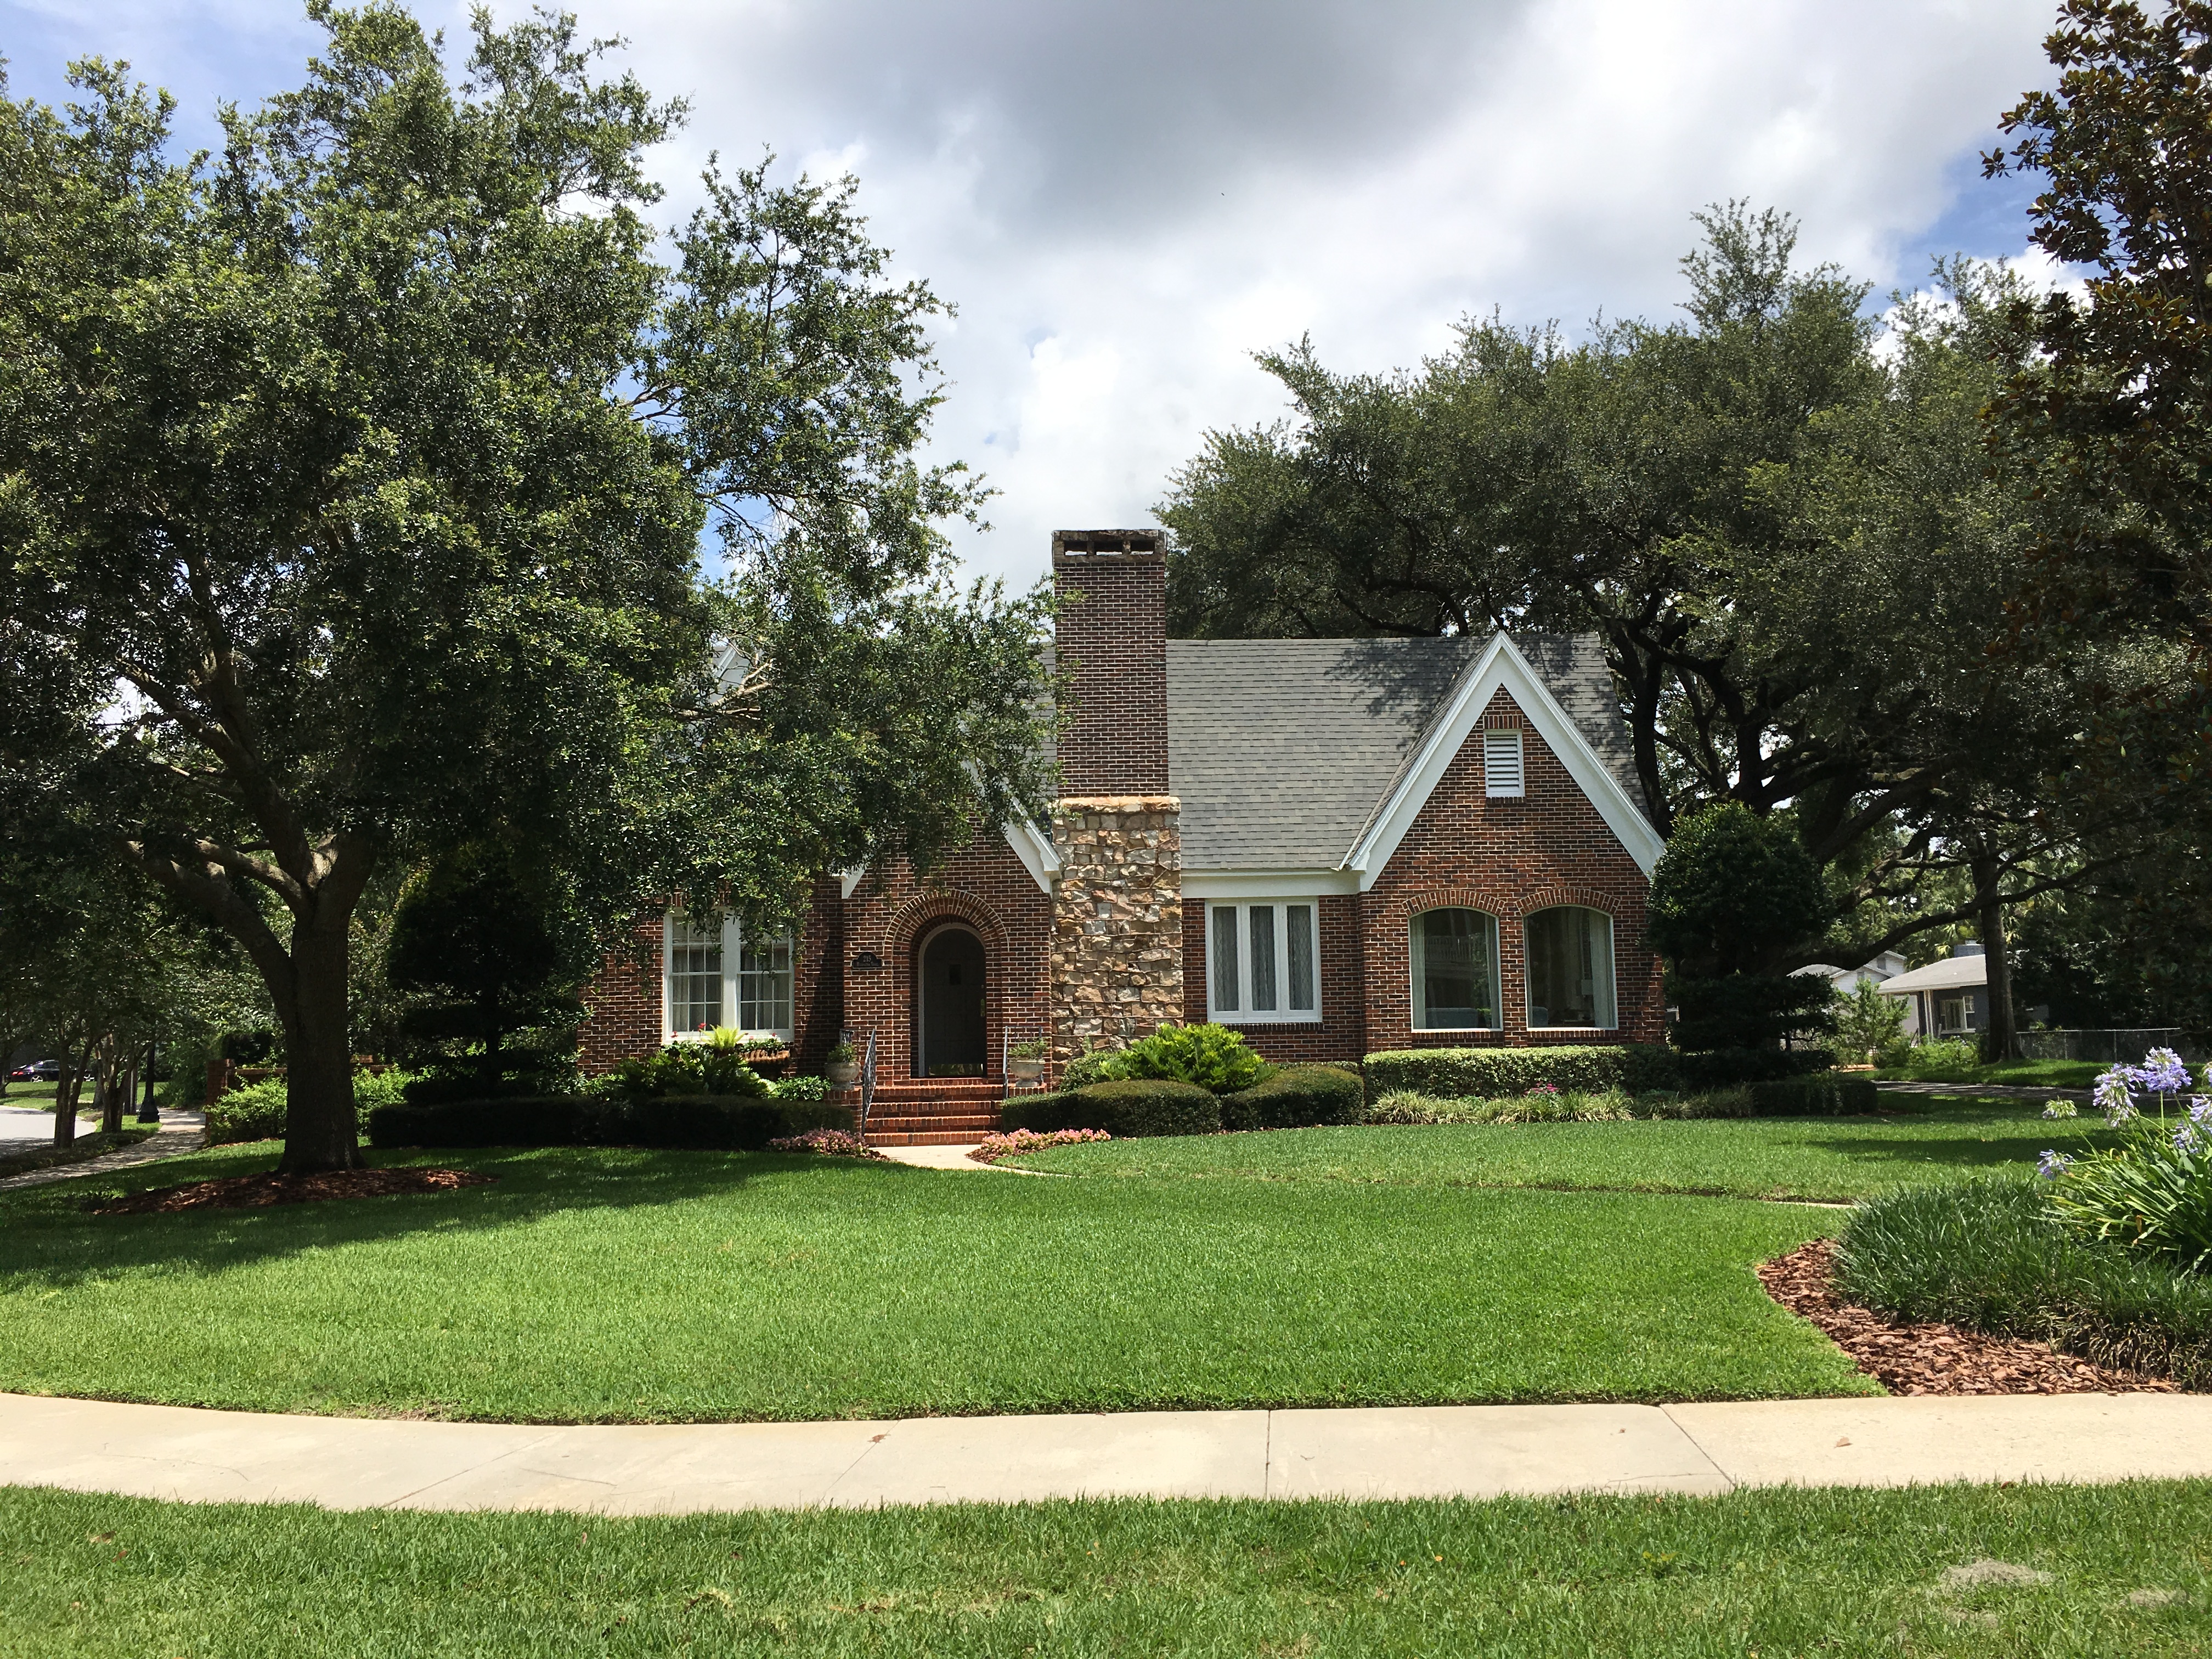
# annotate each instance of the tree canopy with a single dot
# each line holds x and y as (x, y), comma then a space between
(355, 484)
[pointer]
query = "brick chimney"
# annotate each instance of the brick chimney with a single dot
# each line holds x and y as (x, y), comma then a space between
(1114, 637)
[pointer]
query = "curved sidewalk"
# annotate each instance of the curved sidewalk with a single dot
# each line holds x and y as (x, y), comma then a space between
(1441, 1451)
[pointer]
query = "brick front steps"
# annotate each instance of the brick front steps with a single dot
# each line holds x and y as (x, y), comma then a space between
(938, 1111)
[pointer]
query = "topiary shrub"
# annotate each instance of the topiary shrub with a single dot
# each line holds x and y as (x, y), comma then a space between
(1828, 1094)
(1295, 1097)
(1125, 1107)
(1212, 1057)
(1492, 1074)
(1730, 1068)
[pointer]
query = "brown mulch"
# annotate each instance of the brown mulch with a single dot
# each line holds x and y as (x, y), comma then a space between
(1934, 1358)
(256, 1192)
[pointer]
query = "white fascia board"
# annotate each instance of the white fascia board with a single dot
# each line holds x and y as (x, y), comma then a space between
(1266, 884)
(1503, 665)
(1036, 851)
(849, 879)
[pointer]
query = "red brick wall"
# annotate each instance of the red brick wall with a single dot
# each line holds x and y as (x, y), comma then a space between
(984, 885)
(1341, 1033)
(1115, 638)
(1510, 857)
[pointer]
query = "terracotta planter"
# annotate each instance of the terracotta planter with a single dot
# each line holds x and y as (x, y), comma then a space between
(842, 1072)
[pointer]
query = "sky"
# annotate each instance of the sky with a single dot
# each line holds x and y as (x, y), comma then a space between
(1127, 202)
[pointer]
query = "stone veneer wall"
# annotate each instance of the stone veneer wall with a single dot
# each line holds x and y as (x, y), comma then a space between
(1117, 920)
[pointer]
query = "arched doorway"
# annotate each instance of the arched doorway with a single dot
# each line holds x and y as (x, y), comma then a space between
(948, 1025)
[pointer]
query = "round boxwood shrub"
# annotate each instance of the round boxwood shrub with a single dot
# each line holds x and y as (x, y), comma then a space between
(1297, 1097)
(1125, 1107)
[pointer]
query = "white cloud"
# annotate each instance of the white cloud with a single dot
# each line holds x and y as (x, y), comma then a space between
(1128, 201)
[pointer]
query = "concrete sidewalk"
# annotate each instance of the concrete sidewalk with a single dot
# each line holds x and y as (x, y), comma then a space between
(180, 1133)
(1444, 1451)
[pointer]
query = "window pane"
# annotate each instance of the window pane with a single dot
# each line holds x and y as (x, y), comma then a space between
(1570, 968)
(1454, 971)
(1263, 958)
(695, 975)
(765, 986)
(1298, 942)
(1225, 957)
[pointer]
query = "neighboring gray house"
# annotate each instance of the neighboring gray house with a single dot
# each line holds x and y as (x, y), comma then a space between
(1946, 999)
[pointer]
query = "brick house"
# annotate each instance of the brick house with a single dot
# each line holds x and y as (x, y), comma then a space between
(1335, 846)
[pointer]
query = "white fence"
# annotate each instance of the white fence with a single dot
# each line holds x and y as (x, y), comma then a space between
(2107, 1047)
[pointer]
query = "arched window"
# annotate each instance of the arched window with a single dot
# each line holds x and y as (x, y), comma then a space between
(1571, 969)
(1454, 963)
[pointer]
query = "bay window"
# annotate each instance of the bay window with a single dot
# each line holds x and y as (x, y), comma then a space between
(1262, 963)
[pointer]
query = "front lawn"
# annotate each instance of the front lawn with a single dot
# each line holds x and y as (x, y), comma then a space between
(593, 1284)
(2016, 1073)
(1827, 1158)
(2026, 1572)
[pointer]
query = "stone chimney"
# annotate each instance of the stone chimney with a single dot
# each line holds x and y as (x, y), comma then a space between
(1114, 638)
(1117, 908)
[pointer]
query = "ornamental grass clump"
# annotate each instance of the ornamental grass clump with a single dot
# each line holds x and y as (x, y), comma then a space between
(2151, 1193)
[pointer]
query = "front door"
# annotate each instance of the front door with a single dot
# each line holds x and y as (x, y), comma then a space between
(950, 988)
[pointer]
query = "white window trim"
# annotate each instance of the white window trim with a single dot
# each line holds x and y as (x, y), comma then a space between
(1246, 1015)
(732, 946)
(1496, 970)
(1613, 965)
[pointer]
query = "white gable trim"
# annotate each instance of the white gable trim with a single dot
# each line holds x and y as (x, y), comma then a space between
(1502, 665)
(1266, 884)
(1031, 845)
(1036, 851)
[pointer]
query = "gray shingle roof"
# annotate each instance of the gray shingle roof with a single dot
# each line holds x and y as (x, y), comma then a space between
(1283, 750)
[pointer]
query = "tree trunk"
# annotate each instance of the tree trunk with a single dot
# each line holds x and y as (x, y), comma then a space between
(67, 1088)
(108, 1091)
(1997, 1031)
(320, 1132)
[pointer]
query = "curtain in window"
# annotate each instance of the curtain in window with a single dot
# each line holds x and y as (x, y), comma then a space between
(1225, 957)
(1455, 962)
(1263, 958)
(1570, 968)
(695, 975)
(1298, 938)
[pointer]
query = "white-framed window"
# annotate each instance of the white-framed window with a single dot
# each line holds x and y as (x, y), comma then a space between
(1455, 968)
(1569, 969)
(1501, 763)
(719, 975)
(1262, 963)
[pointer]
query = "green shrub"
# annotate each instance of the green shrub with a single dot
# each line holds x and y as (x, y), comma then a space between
(1213, 1057)
(1495, 1073)
(715, 1066)
(1827, 1094)
(1125, 1107)
(1990, 1255)
(799, 1086)
(256, 1112)
(1949, 1061)
(373, 1089)
(1403, 1106)
(714, 1122)
(1705, 1102)
(1092, 1066)
(1295, 1097)
(1729, 1068)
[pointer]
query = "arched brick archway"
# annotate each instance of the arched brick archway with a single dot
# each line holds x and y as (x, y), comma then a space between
(892, 1001)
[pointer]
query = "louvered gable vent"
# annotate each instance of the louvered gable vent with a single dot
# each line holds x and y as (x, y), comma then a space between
(1501, 763)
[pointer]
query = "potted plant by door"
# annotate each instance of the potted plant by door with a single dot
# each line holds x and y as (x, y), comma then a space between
(1025, 1061)
(842, 1066)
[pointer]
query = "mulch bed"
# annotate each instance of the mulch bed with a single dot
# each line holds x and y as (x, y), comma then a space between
(256, 1192)
(1934, 1358)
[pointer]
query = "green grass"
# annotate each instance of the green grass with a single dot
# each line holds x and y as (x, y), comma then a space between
(612, 1285)
(1828, 1159)
(2018, 1073)
(1772, 1573)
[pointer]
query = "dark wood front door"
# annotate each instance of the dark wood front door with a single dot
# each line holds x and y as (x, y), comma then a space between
(949, 987)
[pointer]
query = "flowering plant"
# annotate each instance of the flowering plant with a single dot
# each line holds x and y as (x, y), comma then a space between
(1544, 1088)
(2152, 1193)
(830, 1143)
(995, 1147)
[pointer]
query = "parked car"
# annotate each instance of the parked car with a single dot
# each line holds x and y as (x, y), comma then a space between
(39, 1071)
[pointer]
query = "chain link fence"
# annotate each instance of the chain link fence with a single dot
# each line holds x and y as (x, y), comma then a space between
(2108, 1047)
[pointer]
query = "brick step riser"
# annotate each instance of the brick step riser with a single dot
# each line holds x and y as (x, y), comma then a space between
(924, 1138)
(973, 1128)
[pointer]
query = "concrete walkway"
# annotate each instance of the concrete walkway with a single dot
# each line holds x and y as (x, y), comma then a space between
(180, 1132)
(1444, 1451)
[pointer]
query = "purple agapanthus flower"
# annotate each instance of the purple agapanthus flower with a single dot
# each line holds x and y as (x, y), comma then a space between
(2189, 1137)
(2061, 1108)
(2052, 1164)
(2111, 1098)
(2161, 1073)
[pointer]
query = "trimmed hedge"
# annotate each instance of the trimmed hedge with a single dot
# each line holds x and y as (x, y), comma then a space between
(714, 1122)
(1126, 1109)
(1295, 1097)
(1727, 1069)
(1489, 1073)
(1829, 1094)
